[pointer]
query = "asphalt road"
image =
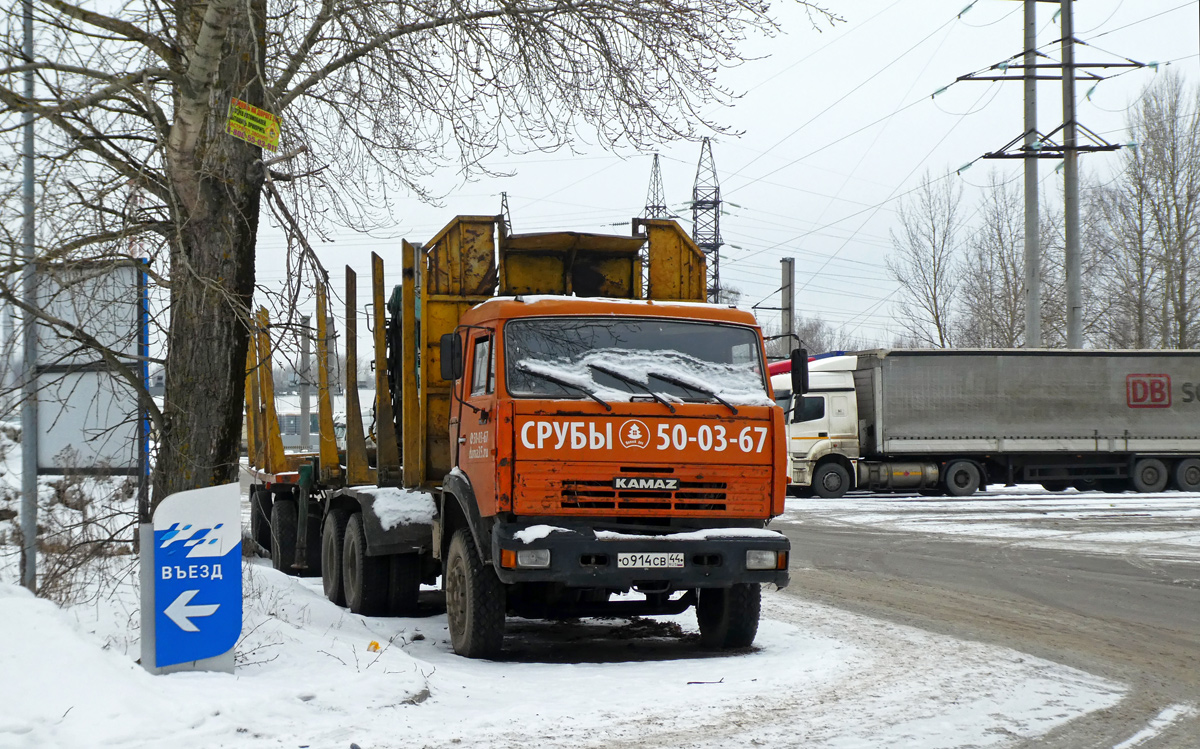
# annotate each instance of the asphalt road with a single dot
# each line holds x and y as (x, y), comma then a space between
(1131, 619)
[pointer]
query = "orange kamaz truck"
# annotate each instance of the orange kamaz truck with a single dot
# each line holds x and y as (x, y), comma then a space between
(562, 428)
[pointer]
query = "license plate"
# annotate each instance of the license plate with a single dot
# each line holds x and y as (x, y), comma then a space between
(649, 560)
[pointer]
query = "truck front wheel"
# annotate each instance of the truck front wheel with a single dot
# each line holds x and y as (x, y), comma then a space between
(962, 478)
(728, 617)
(830, 480)
(474, 600)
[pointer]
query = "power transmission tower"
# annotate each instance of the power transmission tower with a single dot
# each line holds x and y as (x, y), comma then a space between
(656, 201)
(505, 214)
(1038, 146)
(706, 218)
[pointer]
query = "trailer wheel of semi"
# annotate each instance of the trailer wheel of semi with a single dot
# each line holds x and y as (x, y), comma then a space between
(728, 617)
(1149, 475)
(1187, 475)
(474, 600)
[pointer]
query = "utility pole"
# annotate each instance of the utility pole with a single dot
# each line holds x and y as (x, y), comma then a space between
(706, 218)
(1033, 253)
(1039, 146)
(656, 201)
(505, 215)
(788, 287)
(29, 415)
(1071, 183)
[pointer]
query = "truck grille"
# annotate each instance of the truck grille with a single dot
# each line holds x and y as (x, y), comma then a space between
(565, 489)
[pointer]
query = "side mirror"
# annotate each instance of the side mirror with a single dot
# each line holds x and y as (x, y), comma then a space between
(799, 372)
(452, 356)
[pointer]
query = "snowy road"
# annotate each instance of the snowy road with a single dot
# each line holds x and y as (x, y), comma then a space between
(1109, 584)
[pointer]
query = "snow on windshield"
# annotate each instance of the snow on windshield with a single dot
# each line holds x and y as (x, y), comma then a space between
(671, 374)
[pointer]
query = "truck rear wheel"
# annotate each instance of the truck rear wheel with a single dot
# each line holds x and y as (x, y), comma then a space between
(728, 617)
(1187, 475)
(405, 587)
(1149, 475)
(283, 535)
(830, 480)
(962, 478)
(260, 518)
(364, 578)
(474, 600)
(333, 541)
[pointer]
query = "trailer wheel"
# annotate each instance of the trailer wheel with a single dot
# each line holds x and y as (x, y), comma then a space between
(474, 600)
(1055, 486)
(1187, 475)
(364, 578)
(283, 535)
(830, 480)
(1149, 475)
(962, 478)
(728, 617)
(405, 587)
(333, 542)
(260, 518)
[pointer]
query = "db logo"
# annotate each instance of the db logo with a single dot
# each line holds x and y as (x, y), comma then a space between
(634, 434)
(1148, 390)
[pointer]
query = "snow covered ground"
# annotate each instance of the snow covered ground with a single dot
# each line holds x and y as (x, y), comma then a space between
(1153, 526)
(310, 674)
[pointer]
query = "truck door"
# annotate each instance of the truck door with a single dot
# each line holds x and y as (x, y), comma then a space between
(810, 424)
(477, 428)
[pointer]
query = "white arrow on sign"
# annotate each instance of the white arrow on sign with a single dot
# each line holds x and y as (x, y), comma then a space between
(181, 613)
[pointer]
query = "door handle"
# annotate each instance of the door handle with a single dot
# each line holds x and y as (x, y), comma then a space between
(462, 440)
(822, 434)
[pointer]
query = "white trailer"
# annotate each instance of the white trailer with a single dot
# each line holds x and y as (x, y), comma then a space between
(951, 421)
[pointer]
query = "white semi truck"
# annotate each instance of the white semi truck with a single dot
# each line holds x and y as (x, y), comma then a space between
(953, 421)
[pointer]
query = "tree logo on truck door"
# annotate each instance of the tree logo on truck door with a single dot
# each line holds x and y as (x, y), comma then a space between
(634, 434)
(1148, 390)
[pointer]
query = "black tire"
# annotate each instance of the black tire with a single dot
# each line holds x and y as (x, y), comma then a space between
(1055, 486)
(1186, 477)
(1149, 475)
(260, 518)
(1087, 485)
(405, 587)
(333, 541)
(312, 547)
(830, 480)
(728, 617)
(474, 600)
(962, 478)
(283, 535)
(364, 578)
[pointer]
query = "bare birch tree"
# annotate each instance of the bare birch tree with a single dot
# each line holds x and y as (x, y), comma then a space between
(924, 261)
(993, 276)
(134, 159)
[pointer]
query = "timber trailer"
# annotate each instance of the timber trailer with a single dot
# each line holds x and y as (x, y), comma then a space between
(562, 427)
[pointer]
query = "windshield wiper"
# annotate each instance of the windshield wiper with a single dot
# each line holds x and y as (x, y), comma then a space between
(565, 383)
(630, 381)
(695, 389)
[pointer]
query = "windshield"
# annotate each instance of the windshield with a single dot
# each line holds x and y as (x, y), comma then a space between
(624, 358)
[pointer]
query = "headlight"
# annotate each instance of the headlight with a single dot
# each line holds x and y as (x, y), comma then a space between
(763, 559)
(538, 558)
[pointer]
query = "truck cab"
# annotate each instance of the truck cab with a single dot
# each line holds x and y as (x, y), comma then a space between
(822, 426)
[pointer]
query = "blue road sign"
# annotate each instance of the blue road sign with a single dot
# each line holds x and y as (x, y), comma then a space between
(197, 574)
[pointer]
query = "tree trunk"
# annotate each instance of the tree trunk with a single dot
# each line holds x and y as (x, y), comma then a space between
(216, 182)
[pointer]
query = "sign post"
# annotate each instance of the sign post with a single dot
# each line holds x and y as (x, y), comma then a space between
(192, 581)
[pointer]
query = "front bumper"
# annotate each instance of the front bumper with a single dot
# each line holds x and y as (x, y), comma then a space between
(582, 557)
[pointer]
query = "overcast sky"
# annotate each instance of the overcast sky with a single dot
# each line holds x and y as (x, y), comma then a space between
(838, 125)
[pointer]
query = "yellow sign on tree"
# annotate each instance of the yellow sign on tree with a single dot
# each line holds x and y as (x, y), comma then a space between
(253, 125)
